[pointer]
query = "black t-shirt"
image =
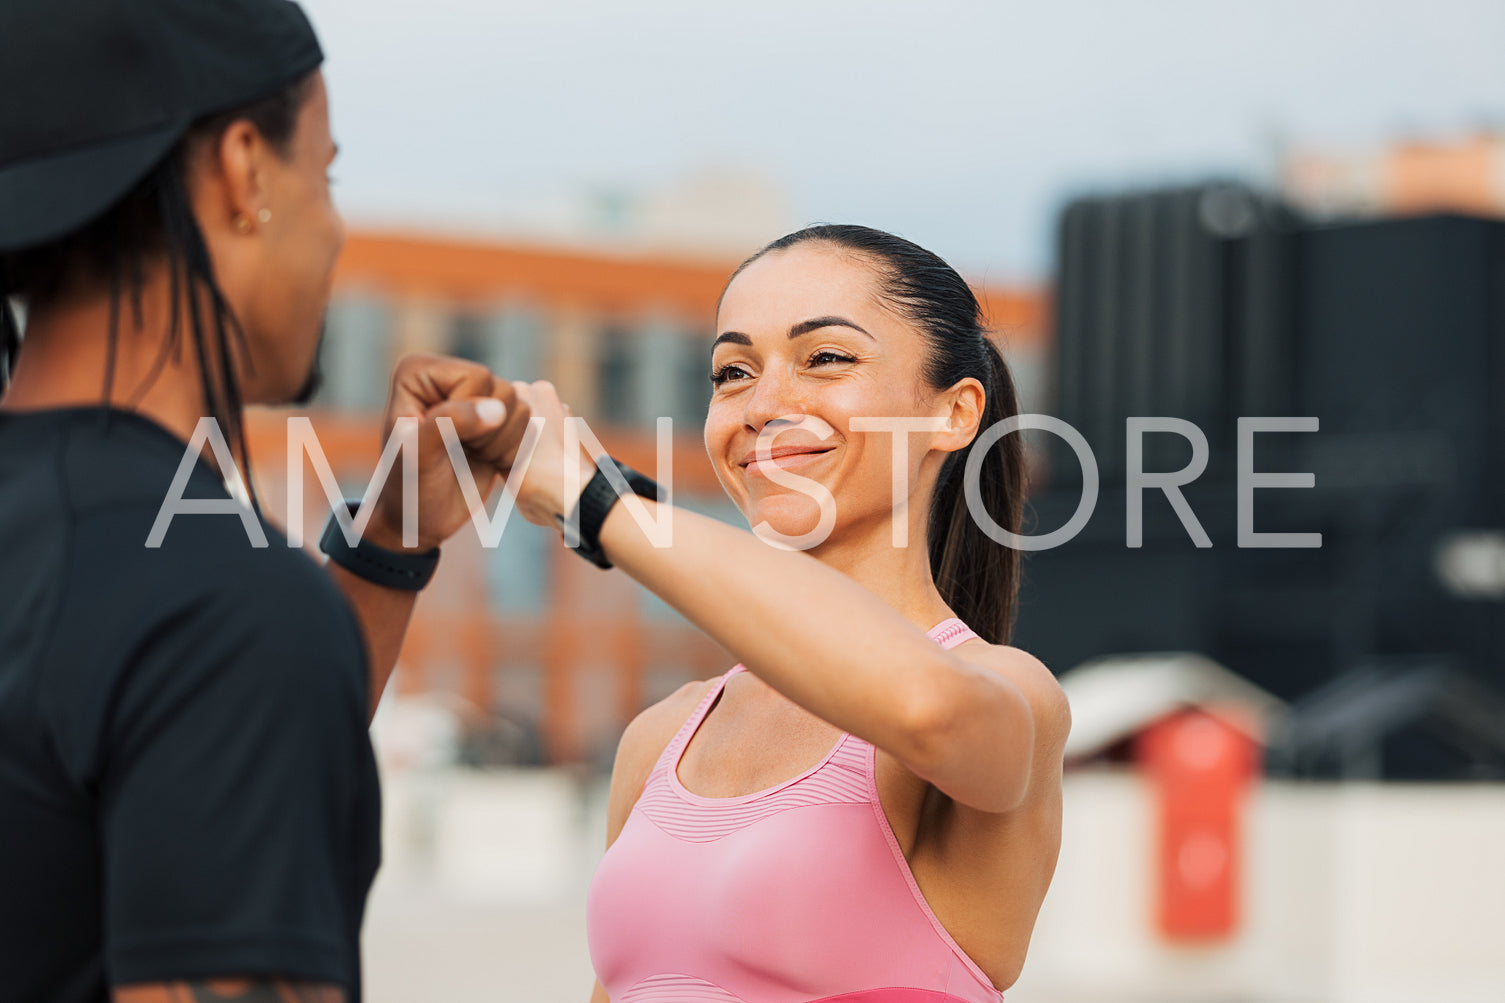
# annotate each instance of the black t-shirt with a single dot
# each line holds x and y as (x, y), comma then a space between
(187, 788)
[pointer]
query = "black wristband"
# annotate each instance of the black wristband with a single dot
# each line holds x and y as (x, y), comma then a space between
(597, 500)
(389, 568)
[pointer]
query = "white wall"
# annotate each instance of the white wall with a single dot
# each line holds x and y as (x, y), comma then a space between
(1357, 892)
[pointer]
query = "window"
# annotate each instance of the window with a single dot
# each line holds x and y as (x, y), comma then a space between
(693, 384)
(469, 337)
(517, 343)
(650, 372)
(507, 340)
(517, 568)
(616, 376)
(355, 354)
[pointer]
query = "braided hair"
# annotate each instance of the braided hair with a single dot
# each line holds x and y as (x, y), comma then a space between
(151, 225)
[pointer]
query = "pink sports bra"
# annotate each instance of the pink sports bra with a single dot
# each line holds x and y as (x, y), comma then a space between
(792, 894)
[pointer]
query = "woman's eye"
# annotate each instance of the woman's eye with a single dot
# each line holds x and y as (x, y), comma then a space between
(725, 373)
(825, 357)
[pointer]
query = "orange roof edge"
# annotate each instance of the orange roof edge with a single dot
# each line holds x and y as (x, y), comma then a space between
(474, 272)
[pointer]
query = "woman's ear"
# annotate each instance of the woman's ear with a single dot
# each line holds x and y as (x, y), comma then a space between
(964, 401)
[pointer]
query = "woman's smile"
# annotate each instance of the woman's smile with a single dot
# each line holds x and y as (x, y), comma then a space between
(783, 457)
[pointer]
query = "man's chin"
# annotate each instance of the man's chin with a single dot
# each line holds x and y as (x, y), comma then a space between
(315, 378)
(310, 388)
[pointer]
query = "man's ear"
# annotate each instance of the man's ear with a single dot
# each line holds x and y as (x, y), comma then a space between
(965, 401)
(234, 176)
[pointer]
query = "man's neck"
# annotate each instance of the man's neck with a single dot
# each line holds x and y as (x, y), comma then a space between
(66, 350)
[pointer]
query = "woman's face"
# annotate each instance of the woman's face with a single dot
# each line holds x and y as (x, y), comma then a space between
(805, 345)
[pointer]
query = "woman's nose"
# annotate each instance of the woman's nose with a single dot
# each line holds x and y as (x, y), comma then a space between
(774, 396)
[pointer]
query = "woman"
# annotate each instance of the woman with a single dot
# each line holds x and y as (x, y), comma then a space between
(868, 805)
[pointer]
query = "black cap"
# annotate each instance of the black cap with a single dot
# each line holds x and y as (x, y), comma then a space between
(97, 91)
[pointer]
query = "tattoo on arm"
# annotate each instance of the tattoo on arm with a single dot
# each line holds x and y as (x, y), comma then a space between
(237, 990)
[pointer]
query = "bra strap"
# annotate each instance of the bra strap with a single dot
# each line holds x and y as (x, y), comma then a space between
(677, 744)
(951, 632)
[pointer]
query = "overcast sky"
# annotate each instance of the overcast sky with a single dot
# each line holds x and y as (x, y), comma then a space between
(960, 125)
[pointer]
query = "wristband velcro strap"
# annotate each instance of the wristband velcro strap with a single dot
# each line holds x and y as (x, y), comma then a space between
(389, 568)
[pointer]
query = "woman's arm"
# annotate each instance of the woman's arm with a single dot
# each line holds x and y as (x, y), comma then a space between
(965, 723)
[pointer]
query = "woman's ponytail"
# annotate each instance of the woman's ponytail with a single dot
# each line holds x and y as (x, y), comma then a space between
(978, 578)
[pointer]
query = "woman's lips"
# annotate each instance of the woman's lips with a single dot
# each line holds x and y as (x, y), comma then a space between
(785, 459)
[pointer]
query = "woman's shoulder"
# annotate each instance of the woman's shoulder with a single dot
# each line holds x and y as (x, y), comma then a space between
(1034, 679)
(643, 741)
(648, 734)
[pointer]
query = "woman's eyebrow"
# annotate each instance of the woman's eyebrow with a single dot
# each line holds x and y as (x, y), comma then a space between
(816, 323)
(802, 328)
(735, 337)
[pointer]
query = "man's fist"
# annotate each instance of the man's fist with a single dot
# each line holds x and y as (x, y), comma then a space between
(489, 421)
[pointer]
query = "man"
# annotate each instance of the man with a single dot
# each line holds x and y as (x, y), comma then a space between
(188, 801)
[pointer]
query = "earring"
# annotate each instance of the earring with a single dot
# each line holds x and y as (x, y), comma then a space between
(242, 223)
(264, 216)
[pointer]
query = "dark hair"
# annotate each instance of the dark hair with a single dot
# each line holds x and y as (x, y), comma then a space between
(978, 578)
(154, 222)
